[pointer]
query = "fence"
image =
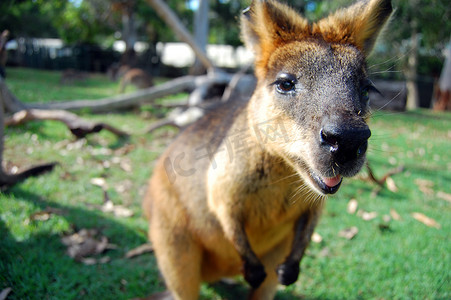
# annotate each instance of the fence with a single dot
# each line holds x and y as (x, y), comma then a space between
(51, 54)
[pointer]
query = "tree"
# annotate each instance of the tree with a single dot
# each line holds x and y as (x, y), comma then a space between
(17, 15)
(425, 25)
(200, 33)
(413, 43)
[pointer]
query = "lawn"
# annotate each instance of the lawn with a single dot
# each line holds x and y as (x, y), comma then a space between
(393, 255)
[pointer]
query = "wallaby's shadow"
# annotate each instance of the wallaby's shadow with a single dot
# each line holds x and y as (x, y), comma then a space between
(234, 290)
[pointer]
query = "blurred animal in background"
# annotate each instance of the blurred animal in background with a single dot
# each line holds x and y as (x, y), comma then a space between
(134, 76)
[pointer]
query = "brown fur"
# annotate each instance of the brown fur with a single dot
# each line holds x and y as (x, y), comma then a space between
(135, 76)
(241, 190)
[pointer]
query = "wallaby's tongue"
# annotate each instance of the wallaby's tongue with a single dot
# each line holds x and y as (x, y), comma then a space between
(332, 181)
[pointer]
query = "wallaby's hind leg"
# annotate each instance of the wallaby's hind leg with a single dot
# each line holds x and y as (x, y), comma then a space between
(179, 257)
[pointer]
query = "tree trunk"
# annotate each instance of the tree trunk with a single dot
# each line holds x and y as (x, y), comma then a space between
(176, 25)
(200, 35)
(128, 26)
(413, 97)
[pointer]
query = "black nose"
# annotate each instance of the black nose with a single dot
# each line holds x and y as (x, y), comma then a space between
(345, 143)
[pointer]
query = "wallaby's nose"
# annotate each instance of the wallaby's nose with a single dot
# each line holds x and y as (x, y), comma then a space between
(345, 143)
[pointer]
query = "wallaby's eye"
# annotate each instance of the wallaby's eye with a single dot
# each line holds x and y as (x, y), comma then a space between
(365, 91)
(365, 94)
(285, 83)
(285, 86)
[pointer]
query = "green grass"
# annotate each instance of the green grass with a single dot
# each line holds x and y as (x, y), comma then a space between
(407, 260)
(45, 86)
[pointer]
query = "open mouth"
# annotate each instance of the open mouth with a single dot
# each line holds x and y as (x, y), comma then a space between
(328, 185)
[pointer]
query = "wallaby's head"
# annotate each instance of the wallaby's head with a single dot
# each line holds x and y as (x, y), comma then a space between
(312, 79)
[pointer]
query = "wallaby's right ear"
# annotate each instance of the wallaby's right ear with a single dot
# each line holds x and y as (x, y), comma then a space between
(267, 25)
(358, 24)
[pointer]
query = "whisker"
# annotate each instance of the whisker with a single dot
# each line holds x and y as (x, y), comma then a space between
(284, 178)
(388, 102)
(393, 59)
(384, 72)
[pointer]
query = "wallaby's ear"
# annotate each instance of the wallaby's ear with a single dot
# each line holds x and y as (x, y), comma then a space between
(358, 24)
(268, 24)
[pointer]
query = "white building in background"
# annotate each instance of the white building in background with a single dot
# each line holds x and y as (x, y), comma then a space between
(180, 54)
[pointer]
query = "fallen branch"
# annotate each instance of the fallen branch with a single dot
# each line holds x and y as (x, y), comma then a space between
(381, 182)
(9, 180)
(144, 96)
(241, 83)
(78, 126)
(162, 123)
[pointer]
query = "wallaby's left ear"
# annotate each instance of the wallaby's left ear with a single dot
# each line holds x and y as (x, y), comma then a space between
(267, 25)
(358, 24)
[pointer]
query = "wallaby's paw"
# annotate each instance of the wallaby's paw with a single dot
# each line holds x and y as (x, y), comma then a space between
(254, 274)
(288, 272)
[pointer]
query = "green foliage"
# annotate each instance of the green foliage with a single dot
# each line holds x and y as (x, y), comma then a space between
(154, 29)
(428, 18)
(25, 18)
(389, 259)
(224, 22)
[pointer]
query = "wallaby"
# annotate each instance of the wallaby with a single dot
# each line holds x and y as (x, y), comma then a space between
(241, 190)
(137, 77)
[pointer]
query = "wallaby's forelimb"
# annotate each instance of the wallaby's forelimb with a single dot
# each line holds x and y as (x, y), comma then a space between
(288, 272)
(253, 270)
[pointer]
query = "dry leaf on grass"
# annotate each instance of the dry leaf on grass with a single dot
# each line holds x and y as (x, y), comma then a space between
(394, 214)
(94, 261)
(5, 292)
(126, 165)
(124, 150)
(367, 216)
(108, 205)
(384, 226)
(425, 220)
(124, 186)
(444, 196)
(84, 243)
(44, 215)
(386, 218)
(425, 186)
(316, 238)
(325, 252)
(391, 185)
(140, 250)
(117, 210)
(352, 206)
(349, 233)
(100, 182)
